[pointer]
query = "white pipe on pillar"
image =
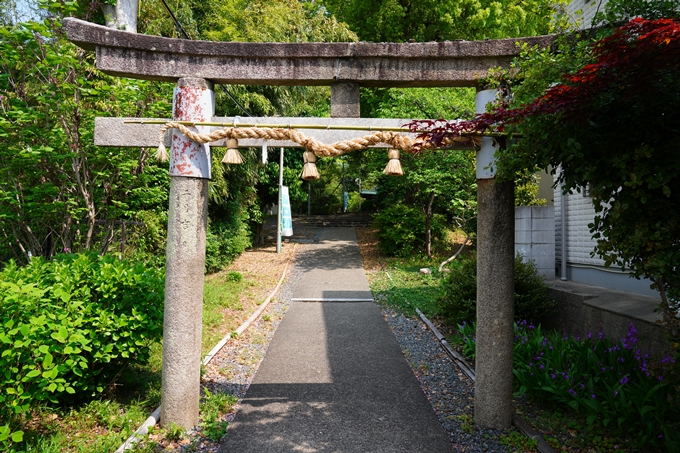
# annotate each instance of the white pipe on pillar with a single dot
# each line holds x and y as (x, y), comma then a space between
(279, 218)
(563, 242)
(485, 156)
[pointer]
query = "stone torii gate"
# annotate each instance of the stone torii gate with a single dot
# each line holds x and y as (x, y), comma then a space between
(197, 65)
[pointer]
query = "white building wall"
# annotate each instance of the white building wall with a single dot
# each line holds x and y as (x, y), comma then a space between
(580, 213)
(535, 237)
(587, 9)
(581, 267)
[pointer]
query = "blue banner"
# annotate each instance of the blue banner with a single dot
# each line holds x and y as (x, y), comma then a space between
(286, 216)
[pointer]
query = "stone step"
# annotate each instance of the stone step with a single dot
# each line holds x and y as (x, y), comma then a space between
(338, 224)
(348, 220)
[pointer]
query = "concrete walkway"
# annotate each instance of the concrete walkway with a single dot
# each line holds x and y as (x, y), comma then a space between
(334, 379)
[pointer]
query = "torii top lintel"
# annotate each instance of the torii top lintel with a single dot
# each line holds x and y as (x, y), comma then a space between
(431, 64)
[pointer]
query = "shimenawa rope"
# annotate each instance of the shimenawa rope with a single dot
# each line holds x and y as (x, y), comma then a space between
(394, 139)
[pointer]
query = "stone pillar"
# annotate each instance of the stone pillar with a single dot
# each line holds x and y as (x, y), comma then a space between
(345, 100)
(185, 258)
(495, 289)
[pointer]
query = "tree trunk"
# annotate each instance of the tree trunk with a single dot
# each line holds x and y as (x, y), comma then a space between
(428, 227)
(670, 316)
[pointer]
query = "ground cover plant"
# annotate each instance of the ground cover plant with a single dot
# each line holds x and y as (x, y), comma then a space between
(609, 382)
(404, 288)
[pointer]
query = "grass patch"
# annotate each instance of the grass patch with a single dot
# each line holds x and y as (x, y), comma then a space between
(212, 407)
(223, 299)
(403, 288)
(517, 442)
(570, 431)
(396, 281)
(98, 426)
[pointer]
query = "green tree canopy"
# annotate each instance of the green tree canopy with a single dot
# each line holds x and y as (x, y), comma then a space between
(441, 181)
(55, 184)
(428, 20)
(255, 21)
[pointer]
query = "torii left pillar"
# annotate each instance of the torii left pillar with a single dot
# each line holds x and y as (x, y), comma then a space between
(190, 171)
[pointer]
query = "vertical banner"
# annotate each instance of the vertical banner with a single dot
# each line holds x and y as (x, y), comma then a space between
(345, 201)
(286, 216)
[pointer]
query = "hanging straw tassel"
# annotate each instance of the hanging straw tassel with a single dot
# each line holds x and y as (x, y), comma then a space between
(393, 166)
(309, 170)
(162, 153)
(232, 156)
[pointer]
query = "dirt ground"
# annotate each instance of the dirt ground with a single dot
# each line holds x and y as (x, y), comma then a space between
(368, 243)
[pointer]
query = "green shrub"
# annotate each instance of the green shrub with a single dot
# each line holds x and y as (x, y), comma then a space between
(233, 276)
(68, 326)
(401, 230)
(458, 302)
(224, 242)
(147, 243)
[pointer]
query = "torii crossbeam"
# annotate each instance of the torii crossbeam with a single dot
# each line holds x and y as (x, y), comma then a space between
(197, 65)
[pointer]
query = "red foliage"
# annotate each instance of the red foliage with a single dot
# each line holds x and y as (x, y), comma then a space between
(627, 60)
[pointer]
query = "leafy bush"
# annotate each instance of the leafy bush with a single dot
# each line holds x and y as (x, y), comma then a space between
(233, 276)
(68, 327)
(612, 382)
(225, 240)
(147, 243)
(458, 302)
(401, 230)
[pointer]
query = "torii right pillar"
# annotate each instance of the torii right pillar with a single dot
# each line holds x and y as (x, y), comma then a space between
(495, 287)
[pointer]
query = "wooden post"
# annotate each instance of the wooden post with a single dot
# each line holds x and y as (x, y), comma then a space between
(495, 288)
(185, 258)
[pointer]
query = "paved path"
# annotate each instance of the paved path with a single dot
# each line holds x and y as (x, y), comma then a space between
(333, 378)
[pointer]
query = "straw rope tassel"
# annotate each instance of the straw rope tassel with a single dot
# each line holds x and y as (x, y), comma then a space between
(394, 165)
(162, 153)
(232, 155)
(309, 170)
